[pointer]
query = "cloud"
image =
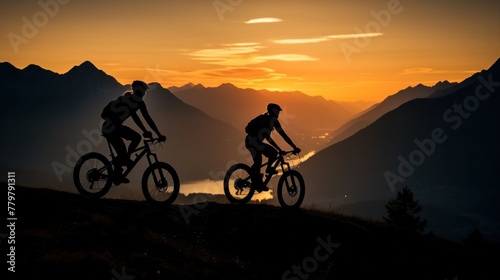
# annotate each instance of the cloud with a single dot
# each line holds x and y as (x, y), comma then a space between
(287, 57)
(327, 38)
(242, 54)
(222, 53)
(231, 55)
(263, 20)
(247, 44)
(241, 72)
(302, 41)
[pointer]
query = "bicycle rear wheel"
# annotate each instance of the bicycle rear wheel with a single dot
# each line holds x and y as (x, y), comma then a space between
(291, 189)
(92, 175)
(160, 183)
(238, 183)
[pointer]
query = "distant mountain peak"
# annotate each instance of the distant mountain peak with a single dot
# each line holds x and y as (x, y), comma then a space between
(32, 67)
(87, 70)
(6, 66)
(187, 86)
(192, 85)
(155, 85)
(227, 85)
(87, 65)
(5, 63)
(445, 82)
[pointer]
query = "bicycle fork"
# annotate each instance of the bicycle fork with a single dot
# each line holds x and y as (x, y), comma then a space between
(159, 178)
(289, 184)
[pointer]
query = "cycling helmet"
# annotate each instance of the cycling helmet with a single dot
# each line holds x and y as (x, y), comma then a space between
(138, 83)
(273, 108)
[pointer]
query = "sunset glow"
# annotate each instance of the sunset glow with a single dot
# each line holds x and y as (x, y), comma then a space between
(342, 50)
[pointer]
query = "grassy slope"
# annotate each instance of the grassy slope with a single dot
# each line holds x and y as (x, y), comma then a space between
(64, 236)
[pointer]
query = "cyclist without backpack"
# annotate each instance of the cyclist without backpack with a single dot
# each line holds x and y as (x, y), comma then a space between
(260, 129)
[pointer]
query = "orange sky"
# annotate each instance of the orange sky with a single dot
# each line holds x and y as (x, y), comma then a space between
(343, 50)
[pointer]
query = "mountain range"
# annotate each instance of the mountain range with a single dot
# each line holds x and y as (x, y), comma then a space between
(388, 104)
(310, 119)
(440, 140)
(444, 147)
(54, 118)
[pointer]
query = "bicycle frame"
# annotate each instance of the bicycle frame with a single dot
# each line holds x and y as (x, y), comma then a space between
(280, 161)
(144, 150)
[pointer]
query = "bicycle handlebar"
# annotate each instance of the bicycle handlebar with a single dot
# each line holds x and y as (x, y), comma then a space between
(283, 153)
(153, 140)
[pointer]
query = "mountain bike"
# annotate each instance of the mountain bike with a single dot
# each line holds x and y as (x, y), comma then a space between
(239, 183)
(93, 174)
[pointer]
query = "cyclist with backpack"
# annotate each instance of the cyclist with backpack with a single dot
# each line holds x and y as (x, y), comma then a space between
(258, 130)
(115, 113)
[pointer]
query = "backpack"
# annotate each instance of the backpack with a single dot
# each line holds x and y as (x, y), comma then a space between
(108, 112)
(256, 124)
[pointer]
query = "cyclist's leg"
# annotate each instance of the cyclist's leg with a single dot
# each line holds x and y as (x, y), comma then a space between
(255, 147)
(128, 133)
(117, 143)
(124, 132)
(250, 144)
(272, 154)
(111, 131)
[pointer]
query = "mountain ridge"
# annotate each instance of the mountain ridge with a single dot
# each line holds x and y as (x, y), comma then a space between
(389, 103)
(456, 171)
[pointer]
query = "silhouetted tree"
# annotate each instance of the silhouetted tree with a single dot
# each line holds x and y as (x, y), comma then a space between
(403, 211)
(477, 260)
(475, 241)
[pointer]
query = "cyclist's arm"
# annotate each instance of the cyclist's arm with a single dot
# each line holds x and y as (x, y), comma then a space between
(271, 141)
(147, 117)
(138, 121)
(283, 134)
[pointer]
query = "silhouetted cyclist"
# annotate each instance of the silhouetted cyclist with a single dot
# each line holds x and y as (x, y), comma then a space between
(259, 129)
(115, 113)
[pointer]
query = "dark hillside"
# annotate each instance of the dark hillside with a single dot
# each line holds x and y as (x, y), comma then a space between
(64, 236)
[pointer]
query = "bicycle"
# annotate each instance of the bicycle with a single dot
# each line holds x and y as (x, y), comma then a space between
(239, 184)
(93, 175)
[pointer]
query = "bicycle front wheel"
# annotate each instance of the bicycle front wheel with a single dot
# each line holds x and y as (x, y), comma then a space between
(291, 189)
(160, 183)
(238, 183)
(92, 175)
